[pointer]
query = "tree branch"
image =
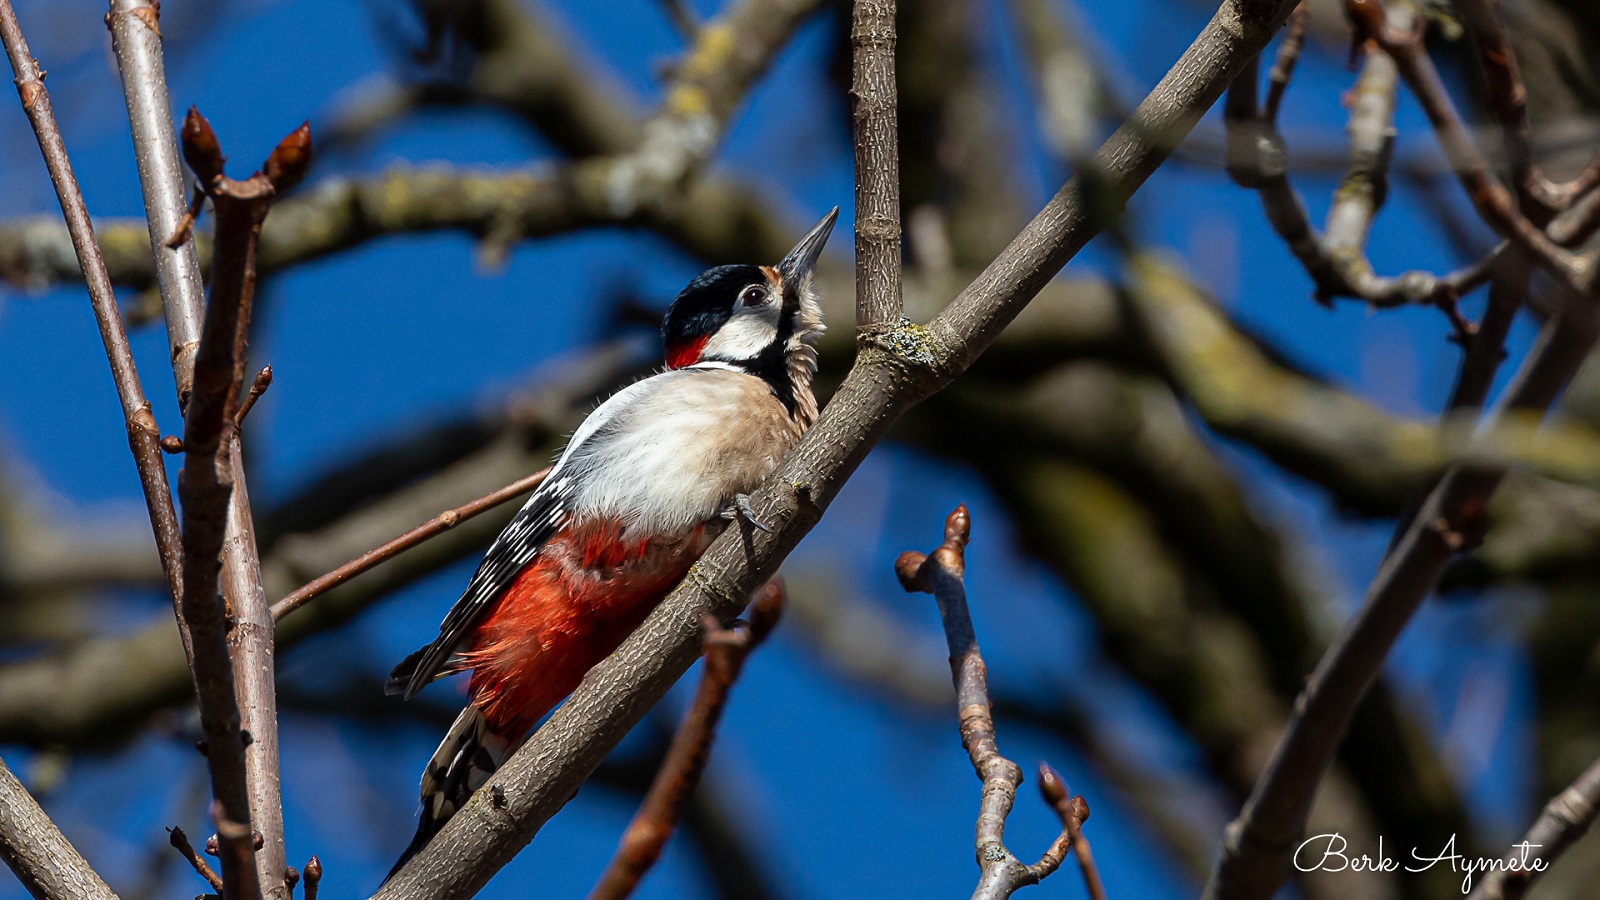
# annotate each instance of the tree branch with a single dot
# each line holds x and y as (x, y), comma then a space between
(1564, 819)
(668, 798)
(1337, 260)
(144, 435)
(1508, 99)
(877, 155)
(136, 41)
(41, 857)
(941, 574)
(234, 669)
(1256, 852)
(1493, 202)
(437, 525)
(1073, 812)
(894, 370)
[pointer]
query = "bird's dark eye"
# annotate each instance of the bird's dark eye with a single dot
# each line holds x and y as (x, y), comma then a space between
(754, 295)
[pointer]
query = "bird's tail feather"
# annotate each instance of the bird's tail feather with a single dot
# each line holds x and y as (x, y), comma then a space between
(470, 752)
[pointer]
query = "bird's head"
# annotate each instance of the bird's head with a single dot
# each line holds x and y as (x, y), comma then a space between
(750, 317)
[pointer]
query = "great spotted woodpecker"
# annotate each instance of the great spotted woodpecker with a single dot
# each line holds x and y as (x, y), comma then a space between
(644, 484)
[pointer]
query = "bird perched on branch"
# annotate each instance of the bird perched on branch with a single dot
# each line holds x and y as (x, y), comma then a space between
(644, 484)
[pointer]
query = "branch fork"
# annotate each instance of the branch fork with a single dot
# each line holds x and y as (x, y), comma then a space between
(941, 573)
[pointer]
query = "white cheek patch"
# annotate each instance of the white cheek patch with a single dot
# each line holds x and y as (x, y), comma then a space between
(745, 335)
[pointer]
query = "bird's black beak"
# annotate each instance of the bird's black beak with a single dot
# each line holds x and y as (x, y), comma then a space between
(797, 266)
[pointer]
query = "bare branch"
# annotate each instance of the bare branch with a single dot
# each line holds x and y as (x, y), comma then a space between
(892, 373)
(206, 489)
(1258, 844)
(941, 574)
(435, 526)
(1337, 261)
(144, 435)
(1564, 819)
(877, 154)
(1493, 202)
(136, 41)
(180, 843)
(1509, 101)
(41, 857)
(664, 804)
(1294, 40)
(1073, 812)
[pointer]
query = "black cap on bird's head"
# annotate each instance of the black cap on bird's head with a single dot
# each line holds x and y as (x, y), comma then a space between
(749, 316)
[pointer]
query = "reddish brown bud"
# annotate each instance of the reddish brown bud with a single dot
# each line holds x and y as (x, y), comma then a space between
(1079, 808)
(200, 148)
(172, 444)
(1051, 787)
(313, 869)
(290, 160)
(1366, 19)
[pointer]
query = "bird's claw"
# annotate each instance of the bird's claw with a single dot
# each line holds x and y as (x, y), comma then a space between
(741, 510)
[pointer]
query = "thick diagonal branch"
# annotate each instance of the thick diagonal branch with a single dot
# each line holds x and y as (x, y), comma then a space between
(726, 650)
(895, 370)
(41, 857)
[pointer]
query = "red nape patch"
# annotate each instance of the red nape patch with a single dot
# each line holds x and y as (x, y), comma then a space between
(686, 353)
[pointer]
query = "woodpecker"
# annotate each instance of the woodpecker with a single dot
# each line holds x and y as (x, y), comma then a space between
(643, 486)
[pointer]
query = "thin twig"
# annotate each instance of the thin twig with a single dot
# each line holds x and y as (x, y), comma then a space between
(41, 857)
(1493, 202)
(1294, 40)
(1337, 261)
(435, 526)
(1073, 812)
(136, 39)
(941, 574)
(877, 155)
(1485, 347)
(725, 652)
(1565, 818)
(144, 435)
(1509, 101)
(206, 487)
(180, 842)
(263, 380)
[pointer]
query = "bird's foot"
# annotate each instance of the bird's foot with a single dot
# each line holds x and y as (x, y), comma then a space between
(741, 510)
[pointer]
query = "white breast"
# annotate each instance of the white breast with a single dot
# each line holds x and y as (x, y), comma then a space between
(669, 452)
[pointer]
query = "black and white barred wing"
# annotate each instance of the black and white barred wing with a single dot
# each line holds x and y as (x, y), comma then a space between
(516, 546)
(510, 553)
